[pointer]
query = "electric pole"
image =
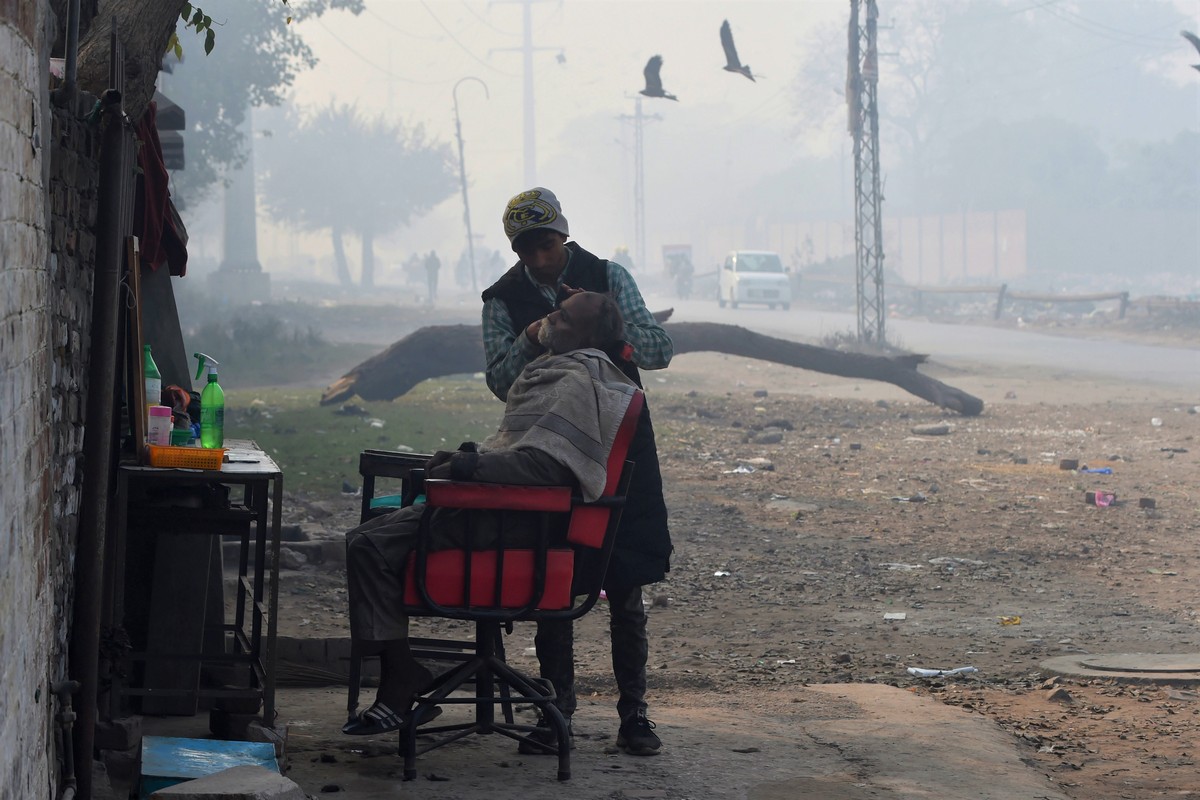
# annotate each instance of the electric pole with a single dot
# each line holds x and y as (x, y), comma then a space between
(527, 49)
(462, 174)
(639, 181)
(862, 87)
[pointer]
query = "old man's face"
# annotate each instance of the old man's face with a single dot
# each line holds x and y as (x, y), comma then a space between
(573, 325)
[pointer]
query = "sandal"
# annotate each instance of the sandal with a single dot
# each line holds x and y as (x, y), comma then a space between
(379, 719)
(376, 720)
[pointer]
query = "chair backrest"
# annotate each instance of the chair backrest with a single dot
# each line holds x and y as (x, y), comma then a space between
(588, 523)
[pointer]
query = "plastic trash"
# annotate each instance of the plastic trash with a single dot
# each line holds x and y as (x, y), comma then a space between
(741, 469)
(895, 616)
(1100, 499)
(721, 574)
(940, 673)
(1010, 620)
(1098, 471)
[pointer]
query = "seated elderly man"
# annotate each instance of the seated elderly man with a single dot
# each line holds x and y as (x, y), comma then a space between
(559, 424)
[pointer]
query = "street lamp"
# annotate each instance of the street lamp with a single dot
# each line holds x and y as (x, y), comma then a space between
(462, 174)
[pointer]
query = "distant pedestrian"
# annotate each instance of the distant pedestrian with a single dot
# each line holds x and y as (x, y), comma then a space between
(432, 266)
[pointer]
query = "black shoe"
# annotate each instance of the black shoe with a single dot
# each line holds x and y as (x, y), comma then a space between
(545, 735)
(637, 737)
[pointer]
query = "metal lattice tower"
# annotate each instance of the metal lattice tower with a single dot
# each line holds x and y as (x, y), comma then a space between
(862, 86)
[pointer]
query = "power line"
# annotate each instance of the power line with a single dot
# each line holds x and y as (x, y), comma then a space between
(371, 63)
(484, 20)
(462, 46)
(402, 31)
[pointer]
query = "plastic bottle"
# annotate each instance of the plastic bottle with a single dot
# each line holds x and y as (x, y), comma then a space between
(153, 383)
(212, 413)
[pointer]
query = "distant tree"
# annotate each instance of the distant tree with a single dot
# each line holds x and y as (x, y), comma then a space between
(339, 172)
(946, 66)
(257, 59)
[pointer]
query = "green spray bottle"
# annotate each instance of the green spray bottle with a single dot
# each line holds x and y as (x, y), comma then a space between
(212, 403)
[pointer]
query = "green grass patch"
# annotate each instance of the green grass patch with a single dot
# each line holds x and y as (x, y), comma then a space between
(317, 447)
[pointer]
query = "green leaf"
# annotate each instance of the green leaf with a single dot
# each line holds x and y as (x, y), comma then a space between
(187, 11)
(210, 39)
(197, 17)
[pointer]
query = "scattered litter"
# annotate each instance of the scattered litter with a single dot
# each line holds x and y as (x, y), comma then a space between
(1100, 499)
(787, 661)
(1156, 422)
(1172, 449)
(721, 574)
(914, 498)
(1157, 571)
(896, 616)
(741, 469)
(1098, 471)
(935, 429)
(954, 560)
(855, 446)
(940, 673)
(403, 448)
(375, 423)
(530, 651)
(1068, 463)
(896, 566)
(1011, 620)
(603, 595)
(1147, 502)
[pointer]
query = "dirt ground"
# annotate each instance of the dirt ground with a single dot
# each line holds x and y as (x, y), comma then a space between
(805, 508)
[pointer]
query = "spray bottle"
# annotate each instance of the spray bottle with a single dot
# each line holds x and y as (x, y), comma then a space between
(212, 403)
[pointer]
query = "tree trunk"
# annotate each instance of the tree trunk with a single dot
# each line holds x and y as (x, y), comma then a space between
(339, 258)
(368, 259)
(436, 351)
(144, 28)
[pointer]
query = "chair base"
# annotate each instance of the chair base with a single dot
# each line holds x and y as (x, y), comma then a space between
(486, 671)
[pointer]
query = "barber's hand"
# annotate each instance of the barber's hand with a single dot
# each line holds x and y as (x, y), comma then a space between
(570, 290)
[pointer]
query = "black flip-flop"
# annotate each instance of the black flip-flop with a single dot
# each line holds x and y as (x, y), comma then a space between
(380, 719)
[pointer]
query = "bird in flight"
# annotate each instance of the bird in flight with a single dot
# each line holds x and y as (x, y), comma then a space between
(732, 62)
(654, 87)
(1195, 40)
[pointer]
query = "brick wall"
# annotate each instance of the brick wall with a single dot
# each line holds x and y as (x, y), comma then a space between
(26, 588)
(48, 182)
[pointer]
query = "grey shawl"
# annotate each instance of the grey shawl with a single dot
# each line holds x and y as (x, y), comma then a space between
(568, 406)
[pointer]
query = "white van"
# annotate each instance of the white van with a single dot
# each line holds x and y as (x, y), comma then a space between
(754, 276)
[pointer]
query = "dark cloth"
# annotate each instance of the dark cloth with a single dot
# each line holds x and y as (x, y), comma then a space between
(642, 551)
(161, 236)
(555, 643)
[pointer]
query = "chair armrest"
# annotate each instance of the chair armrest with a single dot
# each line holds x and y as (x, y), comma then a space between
(498, 496)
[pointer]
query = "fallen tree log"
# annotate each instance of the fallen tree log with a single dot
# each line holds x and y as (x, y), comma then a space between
(440, 350)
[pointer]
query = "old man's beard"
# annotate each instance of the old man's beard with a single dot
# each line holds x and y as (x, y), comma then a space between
(547, 337)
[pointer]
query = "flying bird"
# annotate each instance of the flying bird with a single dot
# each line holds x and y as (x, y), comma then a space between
(1195, 40)
(653, 81)
(732, 62)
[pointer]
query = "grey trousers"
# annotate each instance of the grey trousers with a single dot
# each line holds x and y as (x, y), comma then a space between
(555, 642)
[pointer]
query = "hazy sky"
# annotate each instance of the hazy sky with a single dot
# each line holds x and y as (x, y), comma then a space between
(402, 58)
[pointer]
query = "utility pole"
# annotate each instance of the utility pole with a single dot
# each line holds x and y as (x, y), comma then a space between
(527, 49)
(462, 175)
(862, 86)
(639, 180)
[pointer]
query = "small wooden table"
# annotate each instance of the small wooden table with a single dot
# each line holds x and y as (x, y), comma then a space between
(255, 518)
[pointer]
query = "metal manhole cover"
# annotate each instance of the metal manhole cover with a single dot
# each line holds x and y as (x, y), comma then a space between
(1143, 662)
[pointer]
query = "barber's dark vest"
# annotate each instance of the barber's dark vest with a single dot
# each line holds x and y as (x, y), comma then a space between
(642, 551)
(526, 303)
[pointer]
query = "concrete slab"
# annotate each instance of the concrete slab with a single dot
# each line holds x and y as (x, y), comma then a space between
(236, 783)
(836, 742)
(1181, 669)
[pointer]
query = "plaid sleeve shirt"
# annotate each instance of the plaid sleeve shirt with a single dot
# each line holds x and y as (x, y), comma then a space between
(508, 350)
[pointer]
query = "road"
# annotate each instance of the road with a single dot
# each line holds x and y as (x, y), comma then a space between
(1129, 362)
